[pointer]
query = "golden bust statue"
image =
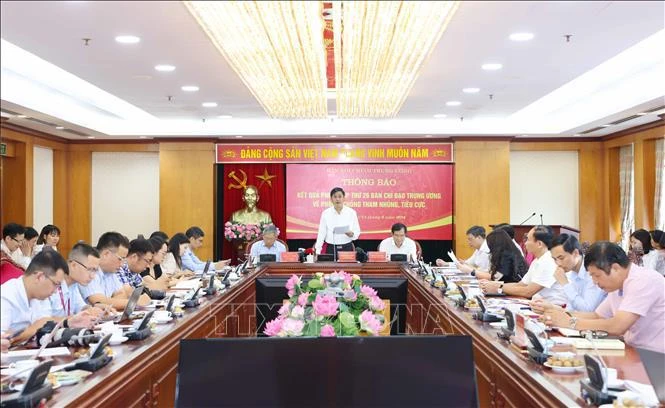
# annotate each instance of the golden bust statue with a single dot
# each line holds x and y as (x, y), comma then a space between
(251, 214)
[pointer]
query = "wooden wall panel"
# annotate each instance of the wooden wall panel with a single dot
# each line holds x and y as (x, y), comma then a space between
(186, 190)
(15, 185)
(79, 216)
(482, 187)
(594, 224)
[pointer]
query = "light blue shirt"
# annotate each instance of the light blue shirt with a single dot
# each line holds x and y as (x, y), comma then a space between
(194, 264)
(583, 295)
(260, 248)
(16, 312)
(104, 283)
(71, 300)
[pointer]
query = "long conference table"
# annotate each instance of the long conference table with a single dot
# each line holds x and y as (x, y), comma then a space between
(143, 373)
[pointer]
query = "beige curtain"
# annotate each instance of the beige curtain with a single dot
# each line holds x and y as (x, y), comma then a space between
(659, 196)
(627, 191)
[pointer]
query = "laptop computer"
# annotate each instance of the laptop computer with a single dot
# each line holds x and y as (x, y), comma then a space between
(207, 267)
(654, 364)
(131, 305)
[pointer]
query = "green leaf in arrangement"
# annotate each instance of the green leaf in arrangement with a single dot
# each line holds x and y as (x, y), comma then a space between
(347, 319)
(314, 284)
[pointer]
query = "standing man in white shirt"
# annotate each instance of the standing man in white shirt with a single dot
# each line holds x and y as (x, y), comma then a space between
(399, 243)
(339, 215)
(540, 277)
(480, 259)
(582, 293)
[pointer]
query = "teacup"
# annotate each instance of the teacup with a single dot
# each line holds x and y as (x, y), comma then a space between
(110, 328)
(162, 315)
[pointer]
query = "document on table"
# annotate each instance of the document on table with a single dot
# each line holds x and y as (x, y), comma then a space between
(341, 230)
(188, 284)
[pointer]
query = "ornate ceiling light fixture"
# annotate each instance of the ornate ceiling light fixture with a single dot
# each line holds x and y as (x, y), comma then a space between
(276, 47)
(380, 49)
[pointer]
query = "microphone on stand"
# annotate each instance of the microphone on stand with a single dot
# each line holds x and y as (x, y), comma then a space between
(528, 218)
(541, 219)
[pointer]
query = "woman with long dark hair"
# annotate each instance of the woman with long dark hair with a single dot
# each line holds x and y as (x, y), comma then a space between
(172, 264)
(506, 262)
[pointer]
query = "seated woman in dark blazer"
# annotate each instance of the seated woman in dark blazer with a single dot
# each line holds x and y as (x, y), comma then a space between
(506, 262)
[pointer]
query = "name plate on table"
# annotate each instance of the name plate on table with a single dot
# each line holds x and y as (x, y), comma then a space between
(346, 256)
(290, 257)
(376, 256)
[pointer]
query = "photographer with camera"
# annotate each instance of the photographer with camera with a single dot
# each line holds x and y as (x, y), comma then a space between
(24, 301)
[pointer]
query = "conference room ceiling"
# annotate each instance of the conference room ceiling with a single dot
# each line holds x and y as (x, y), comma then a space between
(539, 92)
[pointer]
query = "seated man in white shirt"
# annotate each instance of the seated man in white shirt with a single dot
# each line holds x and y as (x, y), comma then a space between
(399, 243)
(106, 287)
(582, 293)
(24, 301)
(540, 277)
(268, 245)
(480, 259)
(83, 262)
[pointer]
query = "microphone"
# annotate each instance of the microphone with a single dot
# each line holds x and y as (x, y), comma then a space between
(528, 218)
(361, 255)
(541, 219)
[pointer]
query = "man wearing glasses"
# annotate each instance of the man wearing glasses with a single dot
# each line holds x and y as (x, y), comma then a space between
(106, 287)
(83, 262)
(24, 301)
(12, 238)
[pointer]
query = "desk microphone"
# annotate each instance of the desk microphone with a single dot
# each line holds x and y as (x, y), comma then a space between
(528, 218)
(541, 219)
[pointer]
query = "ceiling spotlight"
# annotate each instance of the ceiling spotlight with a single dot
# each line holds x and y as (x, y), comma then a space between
(491, 66)
(577, 134)
(638, 114)
(21, 116)
(127, 39)
(224, 116)
(471, 90)
(143, 137)
(333, 135)
(521, 36)
(453, 103)
(190, 88)
(91, 137)
(165, 68)
(440, 115)
(605, 125)
(209, 104)
(428, 135)
(239, 137)
(59, 127)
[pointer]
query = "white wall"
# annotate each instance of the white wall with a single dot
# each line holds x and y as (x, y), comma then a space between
(545, 183)
(42, 198)
(125, 193)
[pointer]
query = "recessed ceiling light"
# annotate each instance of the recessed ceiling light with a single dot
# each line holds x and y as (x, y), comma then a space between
(91, 137)
(21, 116)
(428, 135)
(190, 88)
(209, 104)
(453, 103)
(165, 68)
(491, 66)
(225, 116)
(577, 134)
(471, 90)
(440, 115)
(605, 125)
(521, 36)
(143, 137)
(59, 127)
(638, 114)
(333, 135)
(238, 136)
(127, 39)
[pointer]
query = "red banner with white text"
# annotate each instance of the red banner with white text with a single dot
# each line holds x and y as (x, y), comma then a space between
(417, 195)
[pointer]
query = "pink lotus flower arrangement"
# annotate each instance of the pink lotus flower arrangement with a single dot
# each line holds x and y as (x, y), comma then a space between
(336, 304)
(247, 232)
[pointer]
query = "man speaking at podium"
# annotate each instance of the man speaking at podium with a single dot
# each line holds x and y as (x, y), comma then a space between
(338, 226)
